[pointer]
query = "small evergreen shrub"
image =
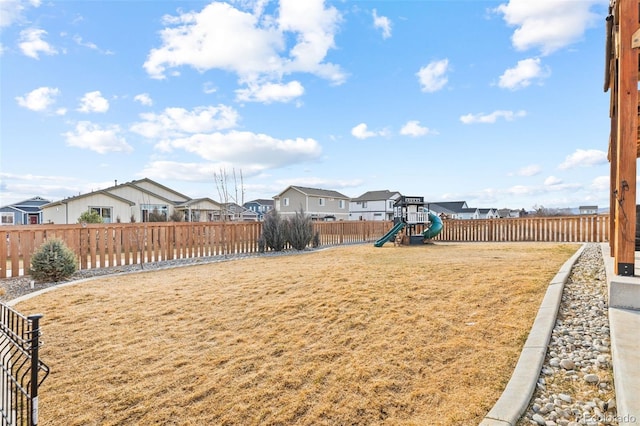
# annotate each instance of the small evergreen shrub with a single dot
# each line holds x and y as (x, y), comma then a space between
(274, 231)
(53, 261)
(262, 244)
(300, 230)
(90, 216)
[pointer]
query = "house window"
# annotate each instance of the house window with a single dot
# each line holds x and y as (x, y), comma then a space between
(285, 202)
(390, 204)
(341, 203)
(8, 218)
(154, 212)
(364, 204)
(321, 201)
(103, 212)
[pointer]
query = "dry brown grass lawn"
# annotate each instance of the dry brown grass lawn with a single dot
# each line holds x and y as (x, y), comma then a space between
(418, 335)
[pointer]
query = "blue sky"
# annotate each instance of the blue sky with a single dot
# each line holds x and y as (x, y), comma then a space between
(499, 103)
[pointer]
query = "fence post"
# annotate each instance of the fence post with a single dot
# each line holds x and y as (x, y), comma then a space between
(35, 365)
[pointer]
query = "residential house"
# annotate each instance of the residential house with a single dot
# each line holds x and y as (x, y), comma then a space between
(511, 213)
(469, 213)
(488, 213)
(320, 204)
(448, 209)
(259, 207)
(588, 209)
(27, 212)
(373, 205)
(133, 201)
(237, 212)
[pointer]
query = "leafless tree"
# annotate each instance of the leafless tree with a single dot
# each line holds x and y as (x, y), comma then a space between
(222, 181)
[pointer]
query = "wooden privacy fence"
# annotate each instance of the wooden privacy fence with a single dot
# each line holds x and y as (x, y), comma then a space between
(107, 245)
(592, 228)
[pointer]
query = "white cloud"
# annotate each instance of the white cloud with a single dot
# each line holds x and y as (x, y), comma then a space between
(39, 99)
(11, 10)
(522, 74)
(530, 170)
(246, 149)
(209, 88)
(362, 132)
(548, 24)
(144, 99)
(93, 102)
(413, 128)
(315, 182)
(383, 23)
(178, 122)
(492, 117)
(552, 180)
(190, 171)
(584, 158)
(271, 92)
(601, 183)
(90, 45)
(250, 44)
(96, 138)
(432, 77)
(32, 43)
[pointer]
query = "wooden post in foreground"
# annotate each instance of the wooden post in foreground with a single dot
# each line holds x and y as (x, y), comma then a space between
(627, 140)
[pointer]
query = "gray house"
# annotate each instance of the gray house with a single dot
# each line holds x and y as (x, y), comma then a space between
(320, 204)
(373, 205)
(27, 212)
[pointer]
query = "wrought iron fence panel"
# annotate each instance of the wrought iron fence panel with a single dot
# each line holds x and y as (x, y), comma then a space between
(22, 370)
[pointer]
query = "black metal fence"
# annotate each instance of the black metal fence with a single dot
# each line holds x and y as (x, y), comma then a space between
(22, 370)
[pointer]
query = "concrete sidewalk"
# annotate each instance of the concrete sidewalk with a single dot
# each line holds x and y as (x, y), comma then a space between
(624, 322)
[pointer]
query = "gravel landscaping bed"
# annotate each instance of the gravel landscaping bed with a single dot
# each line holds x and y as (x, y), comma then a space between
(576, 382)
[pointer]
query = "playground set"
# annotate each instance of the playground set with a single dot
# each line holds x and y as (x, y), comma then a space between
(411, 219)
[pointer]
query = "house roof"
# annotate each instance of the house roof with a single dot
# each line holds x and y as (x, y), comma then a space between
(376, 195)
(197, 200)
(447, 207)
(316, 192)
(135, 184)
(454, 206)
(588, 207)
(24, 205)
(261, 201)
(88, 194)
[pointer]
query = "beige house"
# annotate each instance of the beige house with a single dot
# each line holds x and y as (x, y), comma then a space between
(133, 201)
(320, 204)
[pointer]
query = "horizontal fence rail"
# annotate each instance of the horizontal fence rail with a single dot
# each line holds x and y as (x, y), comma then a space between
(107, 245)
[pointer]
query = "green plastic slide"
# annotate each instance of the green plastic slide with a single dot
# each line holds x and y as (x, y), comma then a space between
(396, 228)
(435, 228)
